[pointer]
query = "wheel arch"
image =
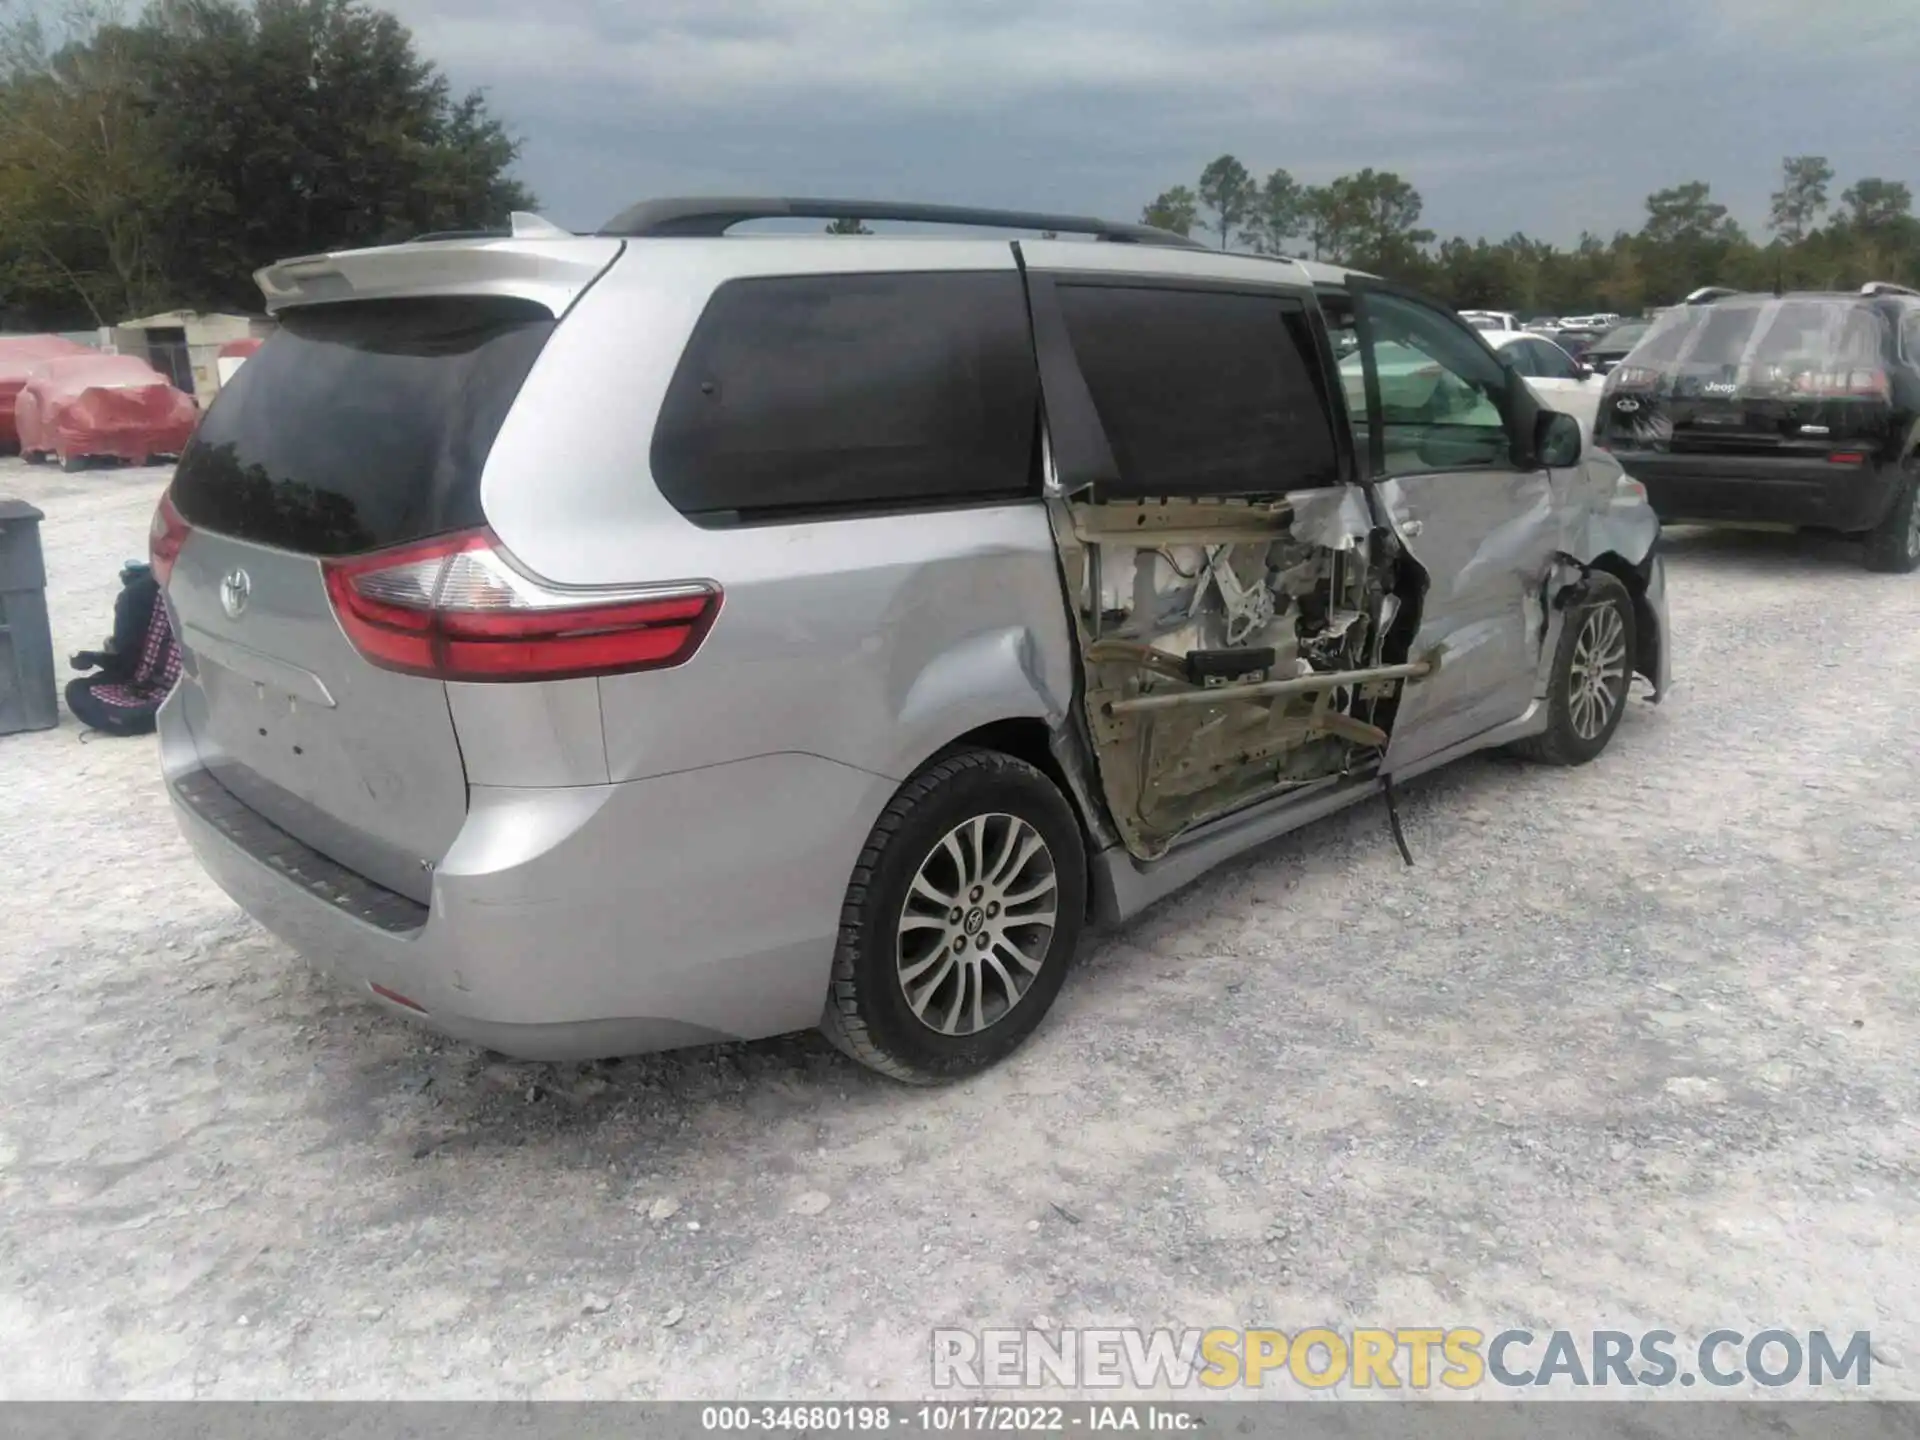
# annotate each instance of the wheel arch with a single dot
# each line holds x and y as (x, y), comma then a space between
(1648, 635)
(1058, 752)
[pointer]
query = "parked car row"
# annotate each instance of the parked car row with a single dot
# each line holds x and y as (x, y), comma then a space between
(599, 643)
(70, 403)
(75, 405)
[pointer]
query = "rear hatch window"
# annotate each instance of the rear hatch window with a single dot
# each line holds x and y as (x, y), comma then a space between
(1793, 370)
(361, 425)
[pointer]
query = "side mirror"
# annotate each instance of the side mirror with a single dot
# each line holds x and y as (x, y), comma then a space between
(1583, 370)
(1556, 440)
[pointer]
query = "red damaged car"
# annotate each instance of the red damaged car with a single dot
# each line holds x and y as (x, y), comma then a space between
(20, 355)
(82, 408)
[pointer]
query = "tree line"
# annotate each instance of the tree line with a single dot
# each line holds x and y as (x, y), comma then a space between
(1371, 221)
(157, 163)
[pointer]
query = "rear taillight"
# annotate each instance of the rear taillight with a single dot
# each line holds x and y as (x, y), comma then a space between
(165, 536)
(455, 609)
(1843, 384)
(1632, 377)
(1847, 457)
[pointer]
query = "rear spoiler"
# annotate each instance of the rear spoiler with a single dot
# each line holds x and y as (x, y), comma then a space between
(537, 261)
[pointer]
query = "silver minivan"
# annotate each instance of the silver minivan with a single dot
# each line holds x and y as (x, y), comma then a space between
(605, 643)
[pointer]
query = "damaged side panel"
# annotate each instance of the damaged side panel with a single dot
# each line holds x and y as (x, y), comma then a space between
(1232, 651)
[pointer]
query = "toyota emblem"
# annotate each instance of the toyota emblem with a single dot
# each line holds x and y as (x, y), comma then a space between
(1627, 407)
(235, 588)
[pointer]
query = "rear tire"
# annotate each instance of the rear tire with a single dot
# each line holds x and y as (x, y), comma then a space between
(1893, 546)
(73, 464)
(34, 457)
(932, 979)
(1592, 673)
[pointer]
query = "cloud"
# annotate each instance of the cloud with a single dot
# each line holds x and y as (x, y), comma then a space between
(914, 55)
(1507, 114)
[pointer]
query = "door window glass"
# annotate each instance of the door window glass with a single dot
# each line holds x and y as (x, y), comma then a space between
(1441, 390)
(1203, 392)
(1521, 355)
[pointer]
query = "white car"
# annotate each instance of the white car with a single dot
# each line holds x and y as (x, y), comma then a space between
(1491, 319)
(1567, 384)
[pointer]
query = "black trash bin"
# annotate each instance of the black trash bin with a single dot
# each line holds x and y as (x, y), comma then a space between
(26, 644)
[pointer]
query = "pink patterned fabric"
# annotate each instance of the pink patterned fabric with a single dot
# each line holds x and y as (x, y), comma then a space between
(160, 656)
(153, 677)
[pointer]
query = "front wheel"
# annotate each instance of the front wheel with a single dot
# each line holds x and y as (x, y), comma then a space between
(1893, 546)
(1592, 672)
(963, 912)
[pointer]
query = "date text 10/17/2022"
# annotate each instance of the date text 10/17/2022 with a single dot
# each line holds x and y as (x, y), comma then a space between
(854, 1420)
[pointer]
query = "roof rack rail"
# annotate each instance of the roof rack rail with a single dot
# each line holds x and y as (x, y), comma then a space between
(714, 216)
(1887, 287)
(1707, 294)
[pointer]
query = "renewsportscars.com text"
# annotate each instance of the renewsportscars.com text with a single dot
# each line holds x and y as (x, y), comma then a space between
(1412, 1358)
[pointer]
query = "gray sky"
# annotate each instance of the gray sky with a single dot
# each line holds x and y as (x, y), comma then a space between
(1551, 116)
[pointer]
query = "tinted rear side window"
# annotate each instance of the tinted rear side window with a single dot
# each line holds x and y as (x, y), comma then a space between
(1203, 392)
(362, 424)
(825, 393)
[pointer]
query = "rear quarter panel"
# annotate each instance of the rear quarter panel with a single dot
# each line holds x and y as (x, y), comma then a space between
(871, 641)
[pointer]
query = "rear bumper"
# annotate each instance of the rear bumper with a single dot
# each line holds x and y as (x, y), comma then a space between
(575, 922)
(1763, 489)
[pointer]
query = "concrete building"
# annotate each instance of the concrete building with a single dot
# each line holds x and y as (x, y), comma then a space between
(184, 345)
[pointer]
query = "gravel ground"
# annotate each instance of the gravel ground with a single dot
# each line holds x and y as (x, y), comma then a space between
(1632, 1046)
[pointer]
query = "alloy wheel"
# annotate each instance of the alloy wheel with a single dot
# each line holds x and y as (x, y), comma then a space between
(977, 924)
(1597, 677)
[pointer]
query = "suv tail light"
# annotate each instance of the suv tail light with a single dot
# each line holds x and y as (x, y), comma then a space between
(165, 537)
(1632, 377)
(455, 609)
(1847, 384)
